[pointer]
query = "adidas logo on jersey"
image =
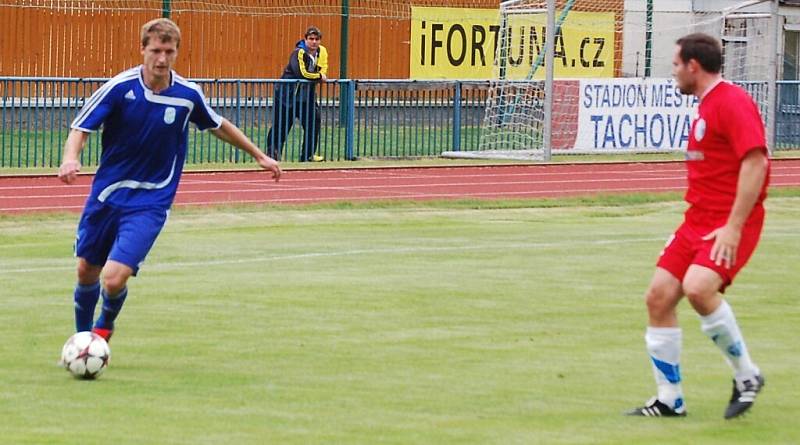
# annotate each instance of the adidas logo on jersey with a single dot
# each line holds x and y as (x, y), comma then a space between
(130, 96)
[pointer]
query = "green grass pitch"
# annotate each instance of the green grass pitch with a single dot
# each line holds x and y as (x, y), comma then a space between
(390, 324)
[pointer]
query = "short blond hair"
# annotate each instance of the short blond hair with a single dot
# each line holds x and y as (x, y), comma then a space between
(165, 29)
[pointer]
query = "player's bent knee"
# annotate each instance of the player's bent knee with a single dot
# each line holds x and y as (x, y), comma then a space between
(699, 288)
(115, 277)
(662, 296)
(695, 293)
(701, 280)
(656, 302)
(87, 273)
(113, 285)
(663, 293)
(702, 295)
(660, 301)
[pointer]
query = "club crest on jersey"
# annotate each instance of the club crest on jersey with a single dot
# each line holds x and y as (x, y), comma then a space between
(699, 129)
(169, 115)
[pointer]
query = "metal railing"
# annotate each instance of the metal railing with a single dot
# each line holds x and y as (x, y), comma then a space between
(787, 115)
(349, 118)
(357, 118)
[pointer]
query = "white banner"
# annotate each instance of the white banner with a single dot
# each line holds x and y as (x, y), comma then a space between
(634, 113)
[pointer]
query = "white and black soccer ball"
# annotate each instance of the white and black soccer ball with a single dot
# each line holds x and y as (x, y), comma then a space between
(85, 355)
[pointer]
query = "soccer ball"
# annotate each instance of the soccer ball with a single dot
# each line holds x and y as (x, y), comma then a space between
(85, 355)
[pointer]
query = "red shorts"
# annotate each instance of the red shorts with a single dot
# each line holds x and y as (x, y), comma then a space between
(686, 246)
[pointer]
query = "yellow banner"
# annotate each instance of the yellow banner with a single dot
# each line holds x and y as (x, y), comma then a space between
(461, 43)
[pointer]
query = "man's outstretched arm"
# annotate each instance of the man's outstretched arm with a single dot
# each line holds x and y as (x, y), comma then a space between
(71, 164)
(233, 135)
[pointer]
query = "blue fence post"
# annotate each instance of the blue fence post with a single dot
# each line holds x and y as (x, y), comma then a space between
(3, 129)
(457, 117)
(349, 135)
(238, 114)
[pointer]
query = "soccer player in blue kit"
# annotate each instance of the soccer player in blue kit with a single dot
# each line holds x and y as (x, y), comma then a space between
(144, 112)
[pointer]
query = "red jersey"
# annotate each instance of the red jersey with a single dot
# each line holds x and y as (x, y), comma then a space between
(727, 126)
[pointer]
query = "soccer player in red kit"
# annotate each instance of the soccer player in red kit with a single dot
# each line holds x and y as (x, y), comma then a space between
(728, 173)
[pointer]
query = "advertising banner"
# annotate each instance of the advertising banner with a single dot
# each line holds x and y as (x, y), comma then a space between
(461, 43)
(628, 113)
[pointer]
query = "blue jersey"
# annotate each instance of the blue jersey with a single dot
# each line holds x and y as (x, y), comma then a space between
(144, 137)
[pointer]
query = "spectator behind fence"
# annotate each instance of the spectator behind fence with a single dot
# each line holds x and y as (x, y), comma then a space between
(144, 113)
(308, 61)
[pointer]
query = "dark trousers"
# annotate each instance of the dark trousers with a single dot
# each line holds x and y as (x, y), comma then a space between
(294, 102)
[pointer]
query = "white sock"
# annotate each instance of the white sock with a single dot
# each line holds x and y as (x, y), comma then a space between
(664, 347)
(721, 327)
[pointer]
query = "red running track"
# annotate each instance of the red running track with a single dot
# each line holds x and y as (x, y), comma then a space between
(19, 194)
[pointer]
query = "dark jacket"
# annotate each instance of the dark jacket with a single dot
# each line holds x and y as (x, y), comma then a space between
(304, 65)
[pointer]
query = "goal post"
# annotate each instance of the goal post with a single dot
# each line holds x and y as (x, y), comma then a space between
(590, 94)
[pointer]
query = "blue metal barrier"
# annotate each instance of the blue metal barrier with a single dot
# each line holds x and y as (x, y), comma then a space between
(35, 114)
(407, 118)
(379, 119)
(383, 119)
(787, 116)
(290, 120)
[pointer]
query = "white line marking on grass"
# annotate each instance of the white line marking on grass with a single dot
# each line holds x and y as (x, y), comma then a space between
(401, 250)
(48, 207)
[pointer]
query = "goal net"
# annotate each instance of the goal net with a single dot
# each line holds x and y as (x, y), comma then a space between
(611, 89)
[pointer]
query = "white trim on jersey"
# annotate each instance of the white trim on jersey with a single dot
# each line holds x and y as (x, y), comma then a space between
(98, 97)
(131, 184)
(85, 130)
(168, 100)
(214, 116)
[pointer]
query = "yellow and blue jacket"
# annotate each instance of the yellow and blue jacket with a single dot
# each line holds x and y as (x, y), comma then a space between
(305, 65)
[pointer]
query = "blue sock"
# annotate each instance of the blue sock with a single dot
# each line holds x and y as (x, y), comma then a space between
(85, 298)
(111, 308)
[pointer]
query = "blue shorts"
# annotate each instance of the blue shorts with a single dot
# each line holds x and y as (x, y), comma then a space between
(123, 235)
